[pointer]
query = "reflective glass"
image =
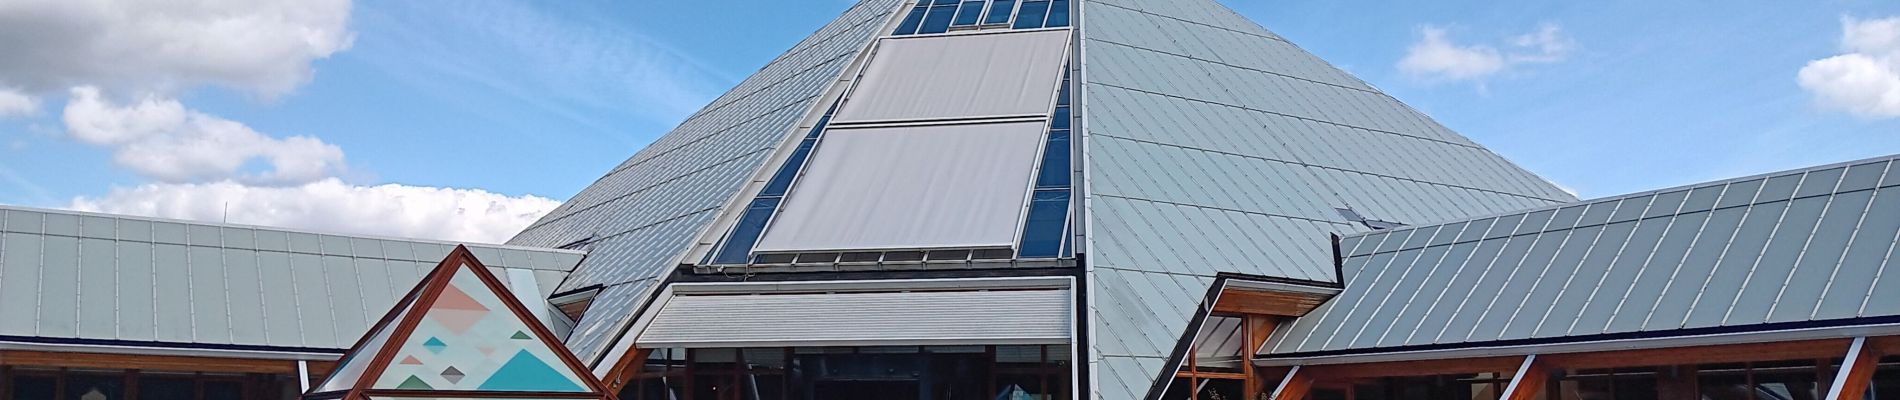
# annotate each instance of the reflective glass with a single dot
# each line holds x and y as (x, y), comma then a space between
(970, 13)
(1058, 14)
(782, 180)
(1048, 218)
(739, 245)
(1055, 162)
(911, 21)
(1032, 14)
(938, 21)
(1000, 10)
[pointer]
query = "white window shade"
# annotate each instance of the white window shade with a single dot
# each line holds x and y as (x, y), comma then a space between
(959, 76)
(1015, 317)
(922, 187)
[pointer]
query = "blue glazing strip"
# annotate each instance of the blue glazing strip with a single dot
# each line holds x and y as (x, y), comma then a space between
(939, 16)
(745, 234)
(1045, 230)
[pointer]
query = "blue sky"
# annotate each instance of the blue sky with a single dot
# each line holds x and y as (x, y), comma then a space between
(523, 103)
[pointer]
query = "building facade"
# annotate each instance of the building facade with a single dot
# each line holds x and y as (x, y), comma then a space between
(1148, 199)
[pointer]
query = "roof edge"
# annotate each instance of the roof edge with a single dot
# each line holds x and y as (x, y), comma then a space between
(1778, 332)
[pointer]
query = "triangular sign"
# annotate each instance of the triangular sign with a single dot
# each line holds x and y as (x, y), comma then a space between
(459, 332)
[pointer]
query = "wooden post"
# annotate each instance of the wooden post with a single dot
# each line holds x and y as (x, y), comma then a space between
(1857, 370)
(1257, 328)
(1529, 380)
(1295, 385)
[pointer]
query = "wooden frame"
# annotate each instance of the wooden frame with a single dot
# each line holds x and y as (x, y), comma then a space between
(421, 299)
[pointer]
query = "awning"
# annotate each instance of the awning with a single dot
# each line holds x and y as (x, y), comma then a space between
(910, 313)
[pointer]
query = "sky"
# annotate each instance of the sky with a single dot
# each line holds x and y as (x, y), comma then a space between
(468, 119)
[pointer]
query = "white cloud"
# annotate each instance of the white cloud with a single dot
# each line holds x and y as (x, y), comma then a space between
(162, 140)
(1435, 57)
(330, 205)
(1865, 80)
(13, 103)
(261, 46)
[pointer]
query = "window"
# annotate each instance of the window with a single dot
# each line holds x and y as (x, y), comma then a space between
(939, 16)
(1046, 228)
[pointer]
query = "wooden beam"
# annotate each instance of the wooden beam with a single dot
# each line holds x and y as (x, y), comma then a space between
(46, 359)
(626, 369)
(1258, 327)
(1528, 382)
(1857, 370)
(1294, 386)
(1251, 301)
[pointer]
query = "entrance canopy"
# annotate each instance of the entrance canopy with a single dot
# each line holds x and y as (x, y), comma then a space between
(871, 313)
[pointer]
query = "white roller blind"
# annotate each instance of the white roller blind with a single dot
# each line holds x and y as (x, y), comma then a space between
(862, 319)
(960, 76)
(946, 186)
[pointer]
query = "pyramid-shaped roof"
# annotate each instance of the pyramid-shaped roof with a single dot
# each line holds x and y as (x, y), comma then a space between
(459, 334)
(1205, 145)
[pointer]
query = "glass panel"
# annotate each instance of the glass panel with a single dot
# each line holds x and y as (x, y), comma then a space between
(1032, 14)
(1469, 274)
(782, 180)
(1000, 10)
(1447, 234)
(224, 390)
(1475, 230)
(1048, 220)
(1055, 171)
(1642, 296)
(1820, 182)
(93, 387)
(34, 387)
(911, 21)
(98, 227)
(1736, 265)
(739, 244)
(938, 21)
(1058, 14)
(971, 11)
(1779, 188)
(1526, 273)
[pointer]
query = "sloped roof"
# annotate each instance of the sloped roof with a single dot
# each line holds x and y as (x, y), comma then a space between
(111, 279)
(1215, 146)
(1798, 249)
(459, 334)
(642, 215)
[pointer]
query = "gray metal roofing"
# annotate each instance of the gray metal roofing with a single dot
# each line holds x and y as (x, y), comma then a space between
(97, 278)
(1807, 247)
(646, 212)
(1216, 146)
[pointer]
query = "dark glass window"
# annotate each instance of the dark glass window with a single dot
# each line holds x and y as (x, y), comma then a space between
(1055, 162)
(1032, 14)
(34, 387)
(911, 21)
(971, 12)
(1048, 219)
(1058, 14)
(782, 180)
(166, 388)
(751, 224)
(938, 21)
(1000, 10)
(80, 386)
